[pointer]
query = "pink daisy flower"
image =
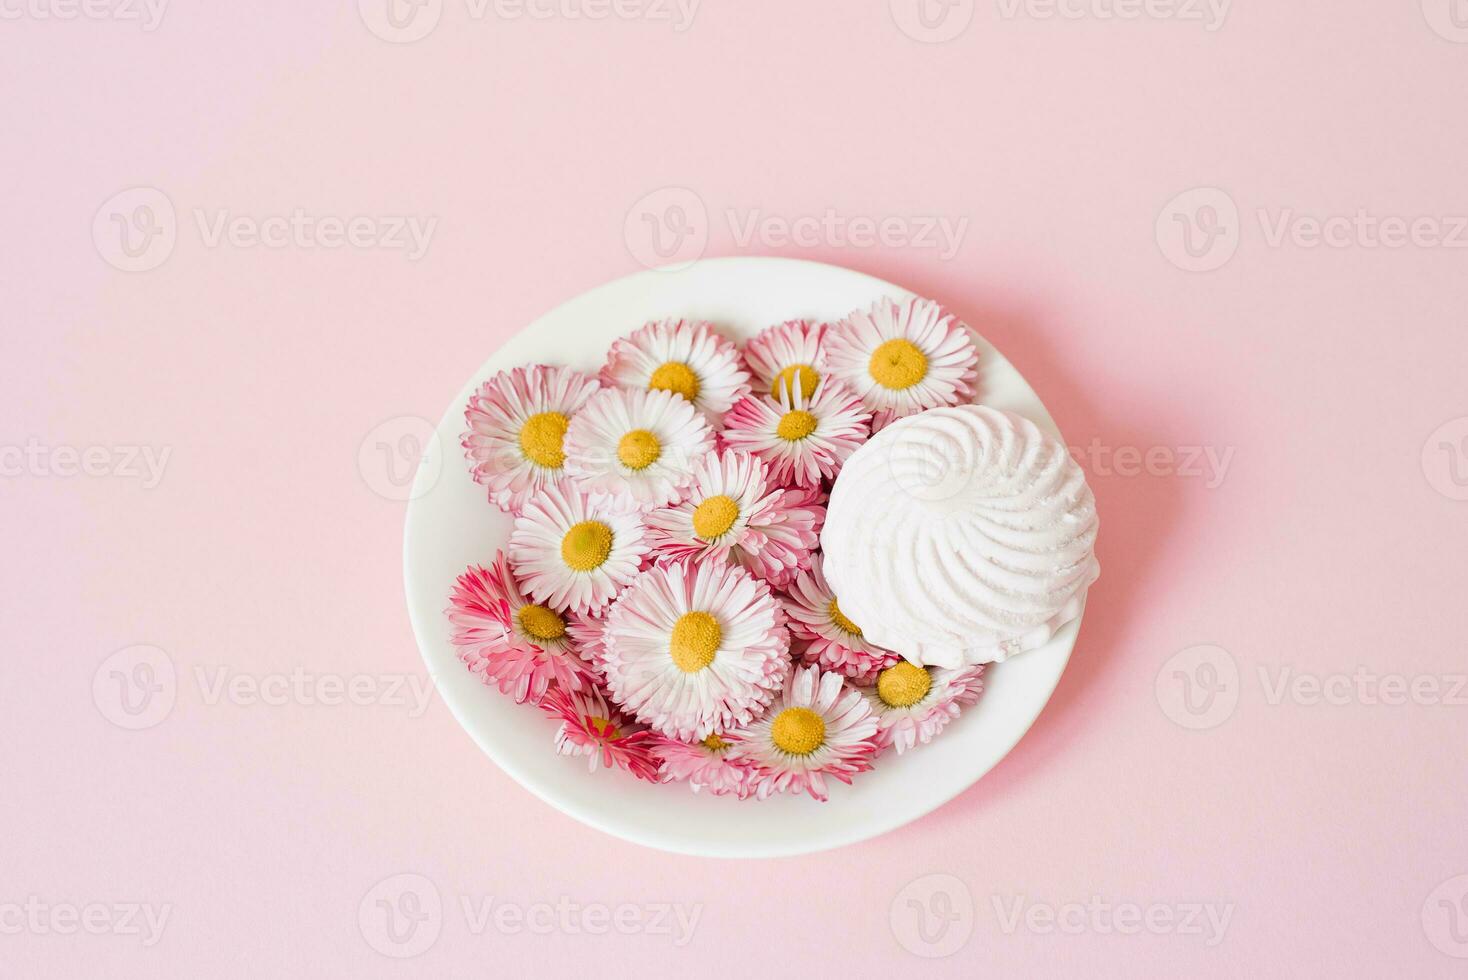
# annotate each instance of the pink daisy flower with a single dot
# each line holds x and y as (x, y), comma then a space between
(802, 439)
(590, 728)
(820, 726)
(787, 357)
(692, 649)
(832, 640)
(636, 447)
(517, 423)
(508, 641)
(703, 765)
(913, 704)
(731, 512)
(588, 636)
(575, 554)
(903, 358)
(686, 357)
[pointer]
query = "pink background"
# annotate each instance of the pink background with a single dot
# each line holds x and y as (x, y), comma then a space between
(1333, 541)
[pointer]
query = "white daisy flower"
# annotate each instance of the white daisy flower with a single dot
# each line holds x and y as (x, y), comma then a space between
(903, 358)
(787, 356)
(913, 704)
(685, 357)
(636, 447)
(694, 649)
(575, 554)
(820, 726)
(802, 439)
(732, 512)
(517, 424)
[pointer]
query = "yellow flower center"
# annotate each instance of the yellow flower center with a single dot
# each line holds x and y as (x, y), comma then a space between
(586, 546)
(541, 623)
(675, 376)
(801, 377)
(795, 425)
(714, 517)
(898, 364)
(639, 449)
(842, 623)
(602, 727)
(541, 439)
(715, 744)
(695, 640)
(799, 731)
(903, 685)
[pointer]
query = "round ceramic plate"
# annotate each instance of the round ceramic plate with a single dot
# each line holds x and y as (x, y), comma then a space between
(451, 525)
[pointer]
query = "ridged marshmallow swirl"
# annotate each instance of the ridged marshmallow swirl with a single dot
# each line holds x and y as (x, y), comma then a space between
(961, 536)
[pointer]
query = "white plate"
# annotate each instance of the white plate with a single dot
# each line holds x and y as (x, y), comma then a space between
(450, 526)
